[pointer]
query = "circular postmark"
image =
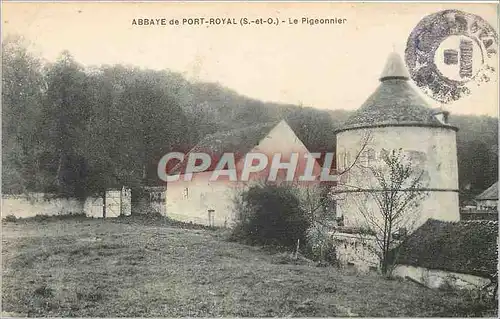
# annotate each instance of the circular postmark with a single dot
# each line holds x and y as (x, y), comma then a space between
(451, 51)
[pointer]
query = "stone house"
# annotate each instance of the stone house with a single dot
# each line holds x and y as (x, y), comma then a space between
(488, 200)
(206, 202)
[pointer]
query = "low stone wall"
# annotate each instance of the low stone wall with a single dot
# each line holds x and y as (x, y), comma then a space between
(357, 250)
(434, 278)
(24, 206)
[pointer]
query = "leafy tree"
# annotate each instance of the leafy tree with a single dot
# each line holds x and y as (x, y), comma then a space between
(66, 109)
(22, 93)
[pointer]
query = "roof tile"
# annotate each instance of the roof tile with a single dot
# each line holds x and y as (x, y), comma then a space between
(395, 101)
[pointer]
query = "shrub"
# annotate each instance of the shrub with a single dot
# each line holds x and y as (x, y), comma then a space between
(10, 219)
(270, 215)
(320, 246)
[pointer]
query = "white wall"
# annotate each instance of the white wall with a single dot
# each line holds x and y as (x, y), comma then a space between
(24, 206)
(434, 278)
(189, 201)
(93, 207)
(436, 205)
(31, 205)
(437, 148)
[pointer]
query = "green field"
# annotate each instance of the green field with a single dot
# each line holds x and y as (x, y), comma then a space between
(139, 268)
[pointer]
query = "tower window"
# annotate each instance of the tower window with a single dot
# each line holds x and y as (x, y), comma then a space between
(442, 117)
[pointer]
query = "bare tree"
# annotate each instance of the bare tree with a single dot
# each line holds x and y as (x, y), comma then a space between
(391, 204)
(318, 204)
(317, 198)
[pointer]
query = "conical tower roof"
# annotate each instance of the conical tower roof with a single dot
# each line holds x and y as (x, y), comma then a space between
(394, 68)
(394, 102)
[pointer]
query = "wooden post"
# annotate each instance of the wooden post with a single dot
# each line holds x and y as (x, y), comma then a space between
(104, 205)
(297, 249)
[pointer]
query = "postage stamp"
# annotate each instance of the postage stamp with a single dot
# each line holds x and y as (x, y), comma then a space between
(451, 51)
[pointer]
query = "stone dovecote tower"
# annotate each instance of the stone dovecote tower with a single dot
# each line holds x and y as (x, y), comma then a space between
(396, 117)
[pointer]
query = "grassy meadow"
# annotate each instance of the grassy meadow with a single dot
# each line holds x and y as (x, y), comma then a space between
(140, 267)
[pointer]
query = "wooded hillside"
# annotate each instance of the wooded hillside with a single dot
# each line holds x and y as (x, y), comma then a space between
(76, 131)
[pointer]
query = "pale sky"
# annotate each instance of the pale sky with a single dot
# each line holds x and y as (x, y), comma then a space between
(323, 66)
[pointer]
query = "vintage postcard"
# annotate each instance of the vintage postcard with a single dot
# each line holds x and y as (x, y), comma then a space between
(237, 159)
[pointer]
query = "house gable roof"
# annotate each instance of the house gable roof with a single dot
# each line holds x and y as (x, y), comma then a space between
(490, 193)
(394, 102)
(468, 247)
(239, 142)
